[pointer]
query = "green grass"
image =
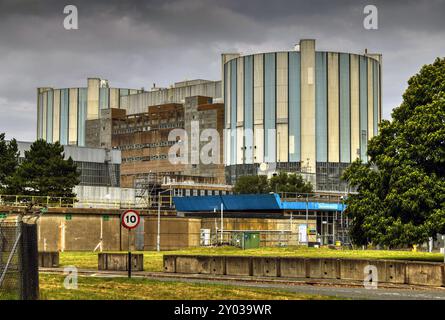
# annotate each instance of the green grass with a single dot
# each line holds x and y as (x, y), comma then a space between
(51, 288)
(153, 259)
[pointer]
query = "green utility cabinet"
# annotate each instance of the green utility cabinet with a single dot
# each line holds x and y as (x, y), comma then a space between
(246, 239)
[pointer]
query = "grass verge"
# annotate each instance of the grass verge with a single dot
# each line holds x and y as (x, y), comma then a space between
(89, 288)
(153, 259)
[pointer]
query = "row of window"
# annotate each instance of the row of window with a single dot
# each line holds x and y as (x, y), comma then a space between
(146, 145)
(146, 158)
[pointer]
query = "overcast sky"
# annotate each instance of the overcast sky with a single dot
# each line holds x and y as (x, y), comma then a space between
(137, 43)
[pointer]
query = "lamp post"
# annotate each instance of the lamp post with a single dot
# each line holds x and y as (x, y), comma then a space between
(158, 237)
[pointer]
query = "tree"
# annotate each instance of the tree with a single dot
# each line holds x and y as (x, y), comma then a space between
(251, 184)
(292, 183)
(282, 182)
(45, 172)
(9, 156)
(401, 190)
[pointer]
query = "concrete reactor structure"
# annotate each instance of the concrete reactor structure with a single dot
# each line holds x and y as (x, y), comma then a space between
(302, 111)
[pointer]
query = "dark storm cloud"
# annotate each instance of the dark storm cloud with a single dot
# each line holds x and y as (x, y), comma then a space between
(137, 43)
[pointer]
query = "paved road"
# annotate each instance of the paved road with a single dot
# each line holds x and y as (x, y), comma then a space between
(345, 292)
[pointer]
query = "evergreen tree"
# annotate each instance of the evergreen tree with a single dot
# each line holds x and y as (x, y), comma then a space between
(9, 156)
(45, 172)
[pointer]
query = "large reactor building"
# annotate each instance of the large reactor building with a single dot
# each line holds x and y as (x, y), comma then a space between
(302, 111)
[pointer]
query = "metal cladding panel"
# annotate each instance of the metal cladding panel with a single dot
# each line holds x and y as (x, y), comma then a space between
(56, 114)
(375, 87)
(248, 108)
(370, 99)
(49, 114)
(345, 109)
(355, 107)
(363, 109)
(333, 109)
(313, 206)
(248, 202)
(44, 114)
(258, 89)
(270, 107)
(294, 106)
(233, 107)
(251, 202)
(73, 116)
(321, 106)
(240, 91)
(189, 204)
(308, 148)
(243, 202)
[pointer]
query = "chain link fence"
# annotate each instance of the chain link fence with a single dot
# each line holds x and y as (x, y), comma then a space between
(18, 261)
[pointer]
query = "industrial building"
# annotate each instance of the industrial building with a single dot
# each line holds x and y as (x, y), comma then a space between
(303, 111)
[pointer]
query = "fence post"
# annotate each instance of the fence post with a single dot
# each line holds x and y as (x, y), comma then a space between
(29, 262)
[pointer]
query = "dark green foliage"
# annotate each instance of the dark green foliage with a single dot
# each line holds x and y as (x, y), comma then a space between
(44, 172)
(9, 156)
(282, 182)
(401, 191)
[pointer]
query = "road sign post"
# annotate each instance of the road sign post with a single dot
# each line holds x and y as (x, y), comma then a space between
(130, 219)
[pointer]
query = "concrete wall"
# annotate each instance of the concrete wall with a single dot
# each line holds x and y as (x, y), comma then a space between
(388, 271)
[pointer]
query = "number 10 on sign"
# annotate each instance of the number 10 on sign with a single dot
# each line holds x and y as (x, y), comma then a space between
(130, 220)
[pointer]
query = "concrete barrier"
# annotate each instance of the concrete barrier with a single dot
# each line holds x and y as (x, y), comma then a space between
(385, 271)
(49, 259)
(119, 261)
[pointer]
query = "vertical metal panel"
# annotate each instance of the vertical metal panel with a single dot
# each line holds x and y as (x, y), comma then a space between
(239, 145)
(375, 93)
(240, 90)
(269, 107)
(307, 49)
(370, 99)
(39, 114)
(355, 108)
(82, 116)
(56, 116)
(64, 116)
(227, 104)
(282, 107)
(363, 109)
(282, 142)
(104, 98)
(93, 99)
(258, 106)
(321, 106)
(258, 141)
(333, 109)
(240, 111)
(345, 114)
(294, 107)
(248, 108)
(44, 114)
(73, 107)
(233, 100)
(114, 98)
(49, 114)
(282, 86)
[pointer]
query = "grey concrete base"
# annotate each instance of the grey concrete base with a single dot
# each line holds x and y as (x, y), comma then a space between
(357, 270)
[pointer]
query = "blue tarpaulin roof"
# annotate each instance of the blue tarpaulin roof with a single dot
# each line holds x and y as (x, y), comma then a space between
(248, 202)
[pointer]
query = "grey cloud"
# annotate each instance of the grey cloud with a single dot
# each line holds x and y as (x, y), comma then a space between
(137, 43)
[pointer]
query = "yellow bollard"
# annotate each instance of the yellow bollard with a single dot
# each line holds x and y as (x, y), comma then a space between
(414, 248)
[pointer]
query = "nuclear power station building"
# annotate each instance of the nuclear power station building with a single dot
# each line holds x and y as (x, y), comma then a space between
(303, 110)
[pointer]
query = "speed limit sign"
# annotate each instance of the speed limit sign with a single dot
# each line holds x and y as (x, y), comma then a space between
(130, 219)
